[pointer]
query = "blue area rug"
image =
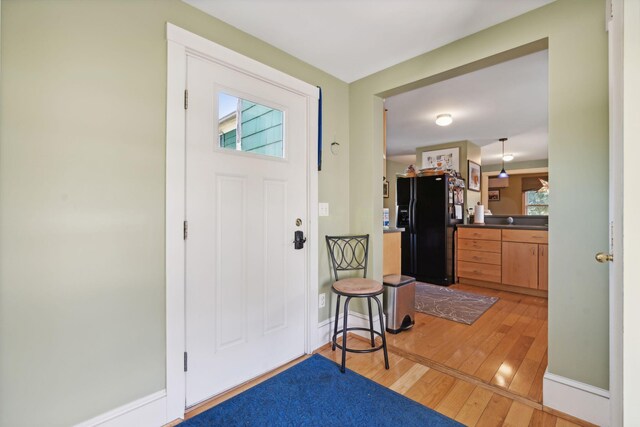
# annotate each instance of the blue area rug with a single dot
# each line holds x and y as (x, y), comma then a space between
(315, 393)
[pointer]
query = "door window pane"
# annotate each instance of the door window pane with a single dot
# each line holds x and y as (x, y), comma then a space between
(247, 126)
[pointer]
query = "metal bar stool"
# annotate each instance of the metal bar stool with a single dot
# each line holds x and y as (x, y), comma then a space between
(350, 253)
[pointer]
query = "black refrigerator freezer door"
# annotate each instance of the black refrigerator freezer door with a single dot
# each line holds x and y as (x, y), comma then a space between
(408, 253)
(430, 225)
(403, 191)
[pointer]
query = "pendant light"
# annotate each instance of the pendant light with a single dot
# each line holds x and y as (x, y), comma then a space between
(503, 173)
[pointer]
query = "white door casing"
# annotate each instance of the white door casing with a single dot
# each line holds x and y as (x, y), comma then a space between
(245, 282)
(182, 44)
(615, 211)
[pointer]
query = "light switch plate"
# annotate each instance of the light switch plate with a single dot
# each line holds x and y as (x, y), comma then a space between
(323, 209)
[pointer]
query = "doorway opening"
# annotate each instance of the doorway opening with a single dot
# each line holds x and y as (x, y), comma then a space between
(507, 258)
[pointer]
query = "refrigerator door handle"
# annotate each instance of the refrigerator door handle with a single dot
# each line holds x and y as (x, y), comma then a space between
(413, 216)
(410, 228)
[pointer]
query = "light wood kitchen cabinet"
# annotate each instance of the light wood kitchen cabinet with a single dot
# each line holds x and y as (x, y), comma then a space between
(479, 245)
(520, 264)
(479, 254)
(392, 253)
(503, 258)
(543, 267)
(525, 236)
(488, 272)
(480, 233)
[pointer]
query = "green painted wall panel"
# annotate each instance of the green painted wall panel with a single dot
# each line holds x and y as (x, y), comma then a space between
(516, 165)
(82, 182)
(574, 31)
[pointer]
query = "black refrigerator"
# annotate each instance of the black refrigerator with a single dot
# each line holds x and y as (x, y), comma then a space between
(428, 208)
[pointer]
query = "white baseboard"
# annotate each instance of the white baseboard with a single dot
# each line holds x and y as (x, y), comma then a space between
(325, 328)
(148, 411)
(574, 398)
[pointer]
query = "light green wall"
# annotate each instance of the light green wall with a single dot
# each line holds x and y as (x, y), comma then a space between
(393, 169)
(82, 143)
(474, 153)
(532, 164)
(578, 123)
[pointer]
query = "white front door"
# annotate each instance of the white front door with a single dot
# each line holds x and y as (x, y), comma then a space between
(246, 188)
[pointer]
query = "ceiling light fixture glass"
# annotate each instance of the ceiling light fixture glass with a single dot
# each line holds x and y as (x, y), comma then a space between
(507, 157)
(444, 119)
(503, 173)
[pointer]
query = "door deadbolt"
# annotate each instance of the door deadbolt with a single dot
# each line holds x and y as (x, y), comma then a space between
(298, 222)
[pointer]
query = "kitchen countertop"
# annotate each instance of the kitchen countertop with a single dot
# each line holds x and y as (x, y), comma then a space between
(393, 230)
(507, 226)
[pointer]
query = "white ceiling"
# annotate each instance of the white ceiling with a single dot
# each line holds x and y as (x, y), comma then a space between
(506, 100)
(351, 39)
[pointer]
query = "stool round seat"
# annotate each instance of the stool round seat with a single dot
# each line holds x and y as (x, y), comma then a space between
(357, 286)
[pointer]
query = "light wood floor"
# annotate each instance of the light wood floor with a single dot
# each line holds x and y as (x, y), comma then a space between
(469, 403)
(485, 374)
(505, 348)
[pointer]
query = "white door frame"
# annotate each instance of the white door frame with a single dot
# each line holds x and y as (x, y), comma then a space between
(616, 194)
(181, 43)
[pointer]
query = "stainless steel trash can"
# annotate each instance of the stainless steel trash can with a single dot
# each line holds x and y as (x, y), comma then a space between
(399, 302)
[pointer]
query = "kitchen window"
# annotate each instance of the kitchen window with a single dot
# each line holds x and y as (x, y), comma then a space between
(536, 202)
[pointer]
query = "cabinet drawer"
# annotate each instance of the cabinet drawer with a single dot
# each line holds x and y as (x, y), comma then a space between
(480, 245)
(525, 236)
(479, 233)
(479, 256)
(474, 270)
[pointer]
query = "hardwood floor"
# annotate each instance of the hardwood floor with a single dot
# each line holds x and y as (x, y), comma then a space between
(470, 404)
(485, 374)
(505, 348)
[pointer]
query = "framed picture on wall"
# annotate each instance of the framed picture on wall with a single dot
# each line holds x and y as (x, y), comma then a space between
(474, 176)
(447, 159)
(385, 188)
(494, 195)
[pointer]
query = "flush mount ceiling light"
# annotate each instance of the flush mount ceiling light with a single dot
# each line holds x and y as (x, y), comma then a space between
(503, 173)
(507, 157)
(444, 119)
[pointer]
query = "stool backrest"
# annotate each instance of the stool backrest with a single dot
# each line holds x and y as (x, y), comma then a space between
(348, 253)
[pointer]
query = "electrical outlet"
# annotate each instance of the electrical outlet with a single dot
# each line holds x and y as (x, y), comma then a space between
(322, 300)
